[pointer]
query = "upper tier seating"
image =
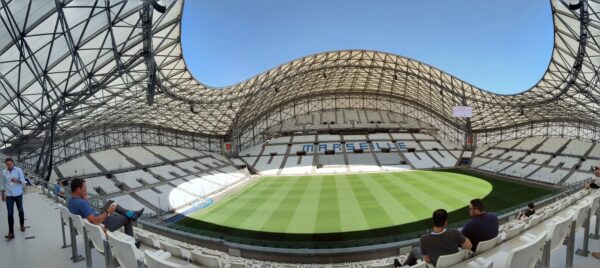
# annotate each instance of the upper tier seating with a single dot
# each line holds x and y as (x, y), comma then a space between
(224, 178)
(451, 145)
(131, 203)
(140, 155)
(211, 162)
(577, 148)
(552, 145)
(327, 137)
(168, 172)
(389, 159)
(420, 160)
(520, 170)
(166, 197)
(354, 137)
(344, 146)
(492, 153)
(507, 144)
(546, 174)
(78, 166)
(595, 151)
(278, 149)
(536, 158)
(298, 165)
(362, 162)
(431, 145)
(167, 152)
(483, 148)
(251, 151)
(578, 176)
(445, 158)
(305, 138)
(332, 160)
(198, 185)
(529, 143)
(111, 160)
(344, 119)
(102, 182)
(567, 162)
(588, 164)
(180, 179)
(512, 155)
(135, 175)
(419, 136)
(479, 161)
(495, 165)
(193, 166)
(555, 160)
(127, 179)
(402, 136)
(280, 140)
(269, 165)
(188, 152)
(379, 136)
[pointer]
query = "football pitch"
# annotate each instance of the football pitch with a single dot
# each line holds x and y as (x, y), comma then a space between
(356, 202)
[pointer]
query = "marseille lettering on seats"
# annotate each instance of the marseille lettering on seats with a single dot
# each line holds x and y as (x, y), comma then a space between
(350, 146)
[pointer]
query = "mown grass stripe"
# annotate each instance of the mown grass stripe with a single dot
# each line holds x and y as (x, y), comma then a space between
(416, 191)
(250, 206)
(439, 190)
(458, 185)
(351, 215)
(371, 208)
(460, 181)
(263, 212)
(328, 213)
(305, 216)
(392, 203)
(410, 197)
(230, 215)
(281, 217)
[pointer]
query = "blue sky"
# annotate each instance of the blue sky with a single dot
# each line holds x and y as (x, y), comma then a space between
(499, 45)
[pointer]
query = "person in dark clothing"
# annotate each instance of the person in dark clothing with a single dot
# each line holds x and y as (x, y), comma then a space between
(482, 226)
(27, 179)
(527, 212)
(440, 242)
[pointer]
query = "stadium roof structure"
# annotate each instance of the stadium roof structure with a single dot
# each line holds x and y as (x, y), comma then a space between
(89, 64)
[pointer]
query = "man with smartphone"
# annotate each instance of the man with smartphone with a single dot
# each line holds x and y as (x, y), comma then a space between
(112, 215)
(594, 184)
(11, 185)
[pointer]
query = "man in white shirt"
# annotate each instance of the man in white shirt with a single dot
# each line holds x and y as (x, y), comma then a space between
(11, 185)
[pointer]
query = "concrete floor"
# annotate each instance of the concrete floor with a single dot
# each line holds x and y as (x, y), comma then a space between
(44, 250)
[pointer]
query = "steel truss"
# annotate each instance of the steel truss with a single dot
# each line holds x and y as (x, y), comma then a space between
(84, 64)
(252, 134)
(74, 144)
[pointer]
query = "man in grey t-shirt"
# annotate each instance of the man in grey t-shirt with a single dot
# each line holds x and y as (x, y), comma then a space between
(440, 242)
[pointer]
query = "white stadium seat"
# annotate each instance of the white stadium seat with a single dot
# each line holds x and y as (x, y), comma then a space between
(123, 249)
(486, 245)
(452, 259)
(111, 160)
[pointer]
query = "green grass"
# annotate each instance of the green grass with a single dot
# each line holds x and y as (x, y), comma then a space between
(357, 202)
